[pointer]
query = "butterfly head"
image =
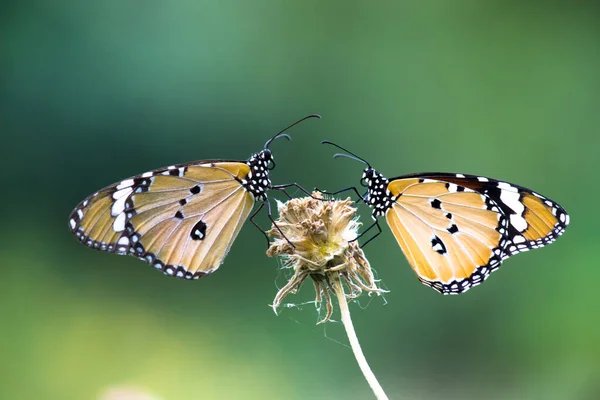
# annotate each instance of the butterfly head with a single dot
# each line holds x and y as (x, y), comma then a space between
(378, 197)
(368, 175)
(266, 158)
(257, 181)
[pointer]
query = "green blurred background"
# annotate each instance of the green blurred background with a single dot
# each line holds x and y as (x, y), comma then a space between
(95, 91)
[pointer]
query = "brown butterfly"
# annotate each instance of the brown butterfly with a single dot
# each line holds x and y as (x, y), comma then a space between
(181, 219)
(456, 229)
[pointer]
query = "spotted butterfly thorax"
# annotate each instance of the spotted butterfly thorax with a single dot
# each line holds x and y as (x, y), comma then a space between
(456, 229)
(181, 219)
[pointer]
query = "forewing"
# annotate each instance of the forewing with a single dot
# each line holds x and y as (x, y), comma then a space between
(182, 219)
(456, 229)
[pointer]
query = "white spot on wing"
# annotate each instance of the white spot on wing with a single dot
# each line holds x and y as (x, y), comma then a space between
(482, 179)
(80, 214)
(123, 192)
(72, 223)
(119, 205)
(518, 239)
(518, 222)
(506, 186)
(147, 174)
(511, 199)
(119, 224)
(124, 241)
(125, 183)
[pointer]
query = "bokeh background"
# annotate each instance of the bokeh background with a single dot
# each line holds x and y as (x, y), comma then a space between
(95, 91)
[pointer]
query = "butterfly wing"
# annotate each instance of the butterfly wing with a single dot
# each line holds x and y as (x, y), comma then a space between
(182, 219)
(456, 229)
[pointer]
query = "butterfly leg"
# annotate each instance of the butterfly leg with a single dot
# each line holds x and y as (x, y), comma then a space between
(360, 197)
(287, 185)
(258, 227)
(285, 192)
(269, 214)
(375, 224)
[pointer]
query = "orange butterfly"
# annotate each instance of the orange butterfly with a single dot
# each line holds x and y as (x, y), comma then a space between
(181, 219)
(456, 229)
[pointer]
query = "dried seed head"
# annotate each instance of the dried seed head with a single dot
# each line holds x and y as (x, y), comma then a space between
(316, 238)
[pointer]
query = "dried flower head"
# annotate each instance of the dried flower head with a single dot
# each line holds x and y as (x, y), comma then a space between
(316, 238)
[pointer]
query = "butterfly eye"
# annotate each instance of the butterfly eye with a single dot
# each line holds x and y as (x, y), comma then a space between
(267, 158)
(266, 155)
(367, 177)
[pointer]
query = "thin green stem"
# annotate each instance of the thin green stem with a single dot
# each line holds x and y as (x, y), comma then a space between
(354, 343)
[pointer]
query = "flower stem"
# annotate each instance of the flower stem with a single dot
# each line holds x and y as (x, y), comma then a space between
(354, 343)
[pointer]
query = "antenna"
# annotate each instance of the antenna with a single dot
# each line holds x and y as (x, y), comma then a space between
(350, 154)
(285, 135)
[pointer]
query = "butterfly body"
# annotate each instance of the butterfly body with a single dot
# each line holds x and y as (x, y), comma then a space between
(456, 229)
(181, 219)
(152, 203)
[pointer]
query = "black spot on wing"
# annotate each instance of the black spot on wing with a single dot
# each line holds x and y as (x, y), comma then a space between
(198, 231)
(438, 246)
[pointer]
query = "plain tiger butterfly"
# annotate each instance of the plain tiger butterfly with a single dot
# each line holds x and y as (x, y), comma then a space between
(456, 229)
(181, 219)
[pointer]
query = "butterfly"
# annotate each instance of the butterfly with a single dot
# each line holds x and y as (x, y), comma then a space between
(181, 219)
(456, 229)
